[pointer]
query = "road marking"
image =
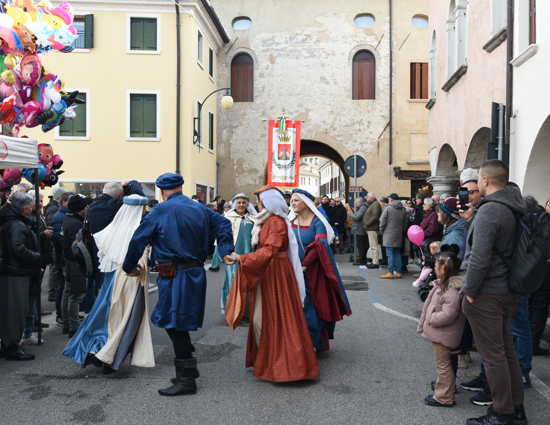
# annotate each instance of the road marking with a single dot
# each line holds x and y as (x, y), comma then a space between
(537, 384)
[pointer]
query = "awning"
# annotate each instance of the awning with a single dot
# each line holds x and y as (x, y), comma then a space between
(18, 152)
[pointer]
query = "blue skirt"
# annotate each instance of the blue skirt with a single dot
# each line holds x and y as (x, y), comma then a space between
(93, 334)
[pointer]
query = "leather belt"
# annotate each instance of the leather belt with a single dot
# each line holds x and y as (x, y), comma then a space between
(188, 265)
(281, 254)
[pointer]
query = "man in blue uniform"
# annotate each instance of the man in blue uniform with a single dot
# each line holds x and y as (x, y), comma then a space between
(180, 232)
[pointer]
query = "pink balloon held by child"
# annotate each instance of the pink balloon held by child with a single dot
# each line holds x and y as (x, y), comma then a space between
(416, 235)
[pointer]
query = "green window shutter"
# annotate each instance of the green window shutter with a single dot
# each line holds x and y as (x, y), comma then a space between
(88, 31)
(136, 34)
(211, 131)
(136, 115)
(211, 62)
(79, 123)
(150, 34)
(150, 115)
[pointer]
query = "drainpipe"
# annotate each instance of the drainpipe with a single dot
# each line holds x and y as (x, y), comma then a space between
(218, 177)
(178, 86)
(391, 82)
(509, 68)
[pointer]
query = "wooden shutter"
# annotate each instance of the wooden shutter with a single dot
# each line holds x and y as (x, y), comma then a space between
(419, 81)
(532, 21)
(88, 31)
(364, 76)
(211, 62)
(76, 127)
(242, 78)
(150, 34)
(143, 115)
(210, 131)
(143, 34)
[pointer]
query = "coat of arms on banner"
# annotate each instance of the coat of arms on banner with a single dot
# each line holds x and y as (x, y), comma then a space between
(283, 166)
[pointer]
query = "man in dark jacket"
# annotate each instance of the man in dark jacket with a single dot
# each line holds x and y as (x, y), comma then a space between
(75, 283)
(59, 258)
(19, 263)
(329, 209)
(340, 217)
(489, 304)
(392, 225)
(102, 213)
(371, 225)
(357, 230)
(53, 205)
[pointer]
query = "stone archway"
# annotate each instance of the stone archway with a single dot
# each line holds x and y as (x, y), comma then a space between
(446, 178)
(477, 152)
(537, 172)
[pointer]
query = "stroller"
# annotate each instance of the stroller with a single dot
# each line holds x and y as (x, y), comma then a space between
(425, 288)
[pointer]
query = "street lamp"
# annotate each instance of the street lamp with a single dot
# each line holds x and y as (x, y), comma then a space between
(227, 102)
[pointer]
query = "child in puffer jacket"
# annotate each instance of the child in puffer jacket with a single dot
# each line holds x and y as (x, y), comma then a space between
(442, 322)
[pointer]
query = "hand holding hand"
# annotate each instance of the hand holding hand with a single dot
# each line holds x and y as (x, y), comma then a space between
(136, 272)
(228, 260)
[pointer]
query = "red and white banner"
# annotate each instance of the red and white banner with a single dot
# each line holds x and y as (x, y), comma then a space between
(283, 165)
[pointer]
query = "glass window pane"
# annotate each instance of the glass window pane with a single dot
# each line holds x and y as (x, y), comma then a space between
(199, 47)
(242, 23)
(420, 21)
(78, 24)
(364, 20)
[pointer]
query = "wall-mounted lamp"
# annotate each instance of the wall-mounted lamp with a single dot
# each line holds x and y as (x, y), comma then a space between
(227, 102)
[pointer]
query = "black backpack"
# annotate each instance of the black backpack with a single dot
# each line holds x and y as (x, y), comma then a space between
(530, 256)
(82, 248)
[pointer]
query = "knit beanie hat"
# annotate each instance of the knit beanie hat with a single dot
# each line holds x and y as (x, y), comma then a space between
(77, 203)
(449, 208)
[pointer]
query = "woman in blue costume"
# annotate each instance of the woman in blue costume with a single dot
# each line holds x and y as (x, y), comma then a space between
(242, 217)
(326, 301)
(118, 322)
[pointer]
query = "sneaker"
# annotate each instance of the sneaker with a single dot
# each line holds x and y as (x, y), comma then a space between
(526, 382)
(417, 283)
(31, 340)
(59, 321)
(538, 351)
(373, 266)
(492, 418)
(476, 384)
(388, 275)
(484, 398)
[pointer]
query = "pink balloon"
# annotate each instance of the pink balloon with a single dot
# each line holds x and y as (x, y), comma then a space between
(416, 235)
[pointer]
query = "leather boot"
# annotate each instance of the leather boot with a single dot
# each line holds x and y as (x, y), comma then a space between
(186, 373)
(462, 362)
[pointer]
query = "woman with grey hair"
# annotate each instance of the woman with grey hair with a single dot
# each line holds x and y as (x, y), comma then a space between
(19, 263)
(430, 223)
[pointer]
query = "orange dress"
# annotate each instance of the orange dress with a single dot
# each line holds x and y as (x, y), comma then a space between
(285, 351)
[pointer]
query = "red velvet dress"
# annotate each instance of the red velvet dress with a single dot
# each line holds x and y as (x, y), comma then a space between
(285, 351)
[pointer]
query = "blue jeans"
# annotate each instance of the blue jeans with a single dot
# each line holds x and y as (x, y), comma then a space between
(29, 321)
(394, 259)
(521, 333)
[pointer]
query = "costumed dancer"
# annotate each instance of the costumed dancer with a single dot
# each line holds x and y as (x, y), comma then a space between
(119, 320)
(242, 217)
(279, 347)
(326, 301)
(180, 232)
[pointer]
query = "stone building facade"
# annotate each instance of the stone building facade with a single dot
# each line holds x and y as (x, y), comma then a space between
(467, 74)
(303, 54)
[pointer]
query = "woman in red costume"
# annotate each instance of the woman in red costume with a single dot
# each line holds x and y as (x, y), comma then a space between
(279, 345)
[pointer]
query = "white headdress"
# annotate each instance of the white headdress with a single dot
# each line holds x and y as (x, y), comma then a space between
(249, 208)
(315, 210)
(113, 241)
(275, 203)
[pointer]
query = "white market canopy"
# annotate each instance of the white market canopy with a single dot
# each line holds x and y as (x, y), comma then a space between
(18, 153)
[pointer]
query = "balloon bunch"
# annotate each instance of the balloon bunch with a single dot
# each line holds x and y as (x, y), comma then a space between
(30, 94)
(48, 170)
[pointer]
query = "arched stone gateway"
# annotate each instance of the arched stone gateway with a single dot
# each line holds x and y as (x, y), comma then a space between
(537, 172)
(477, 152)
(446, 177)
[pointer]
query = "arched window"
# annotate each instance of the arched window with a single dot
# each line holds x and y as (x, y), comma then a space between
(242, 78)
(457, 35)
(364, 76)
(433, 66)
